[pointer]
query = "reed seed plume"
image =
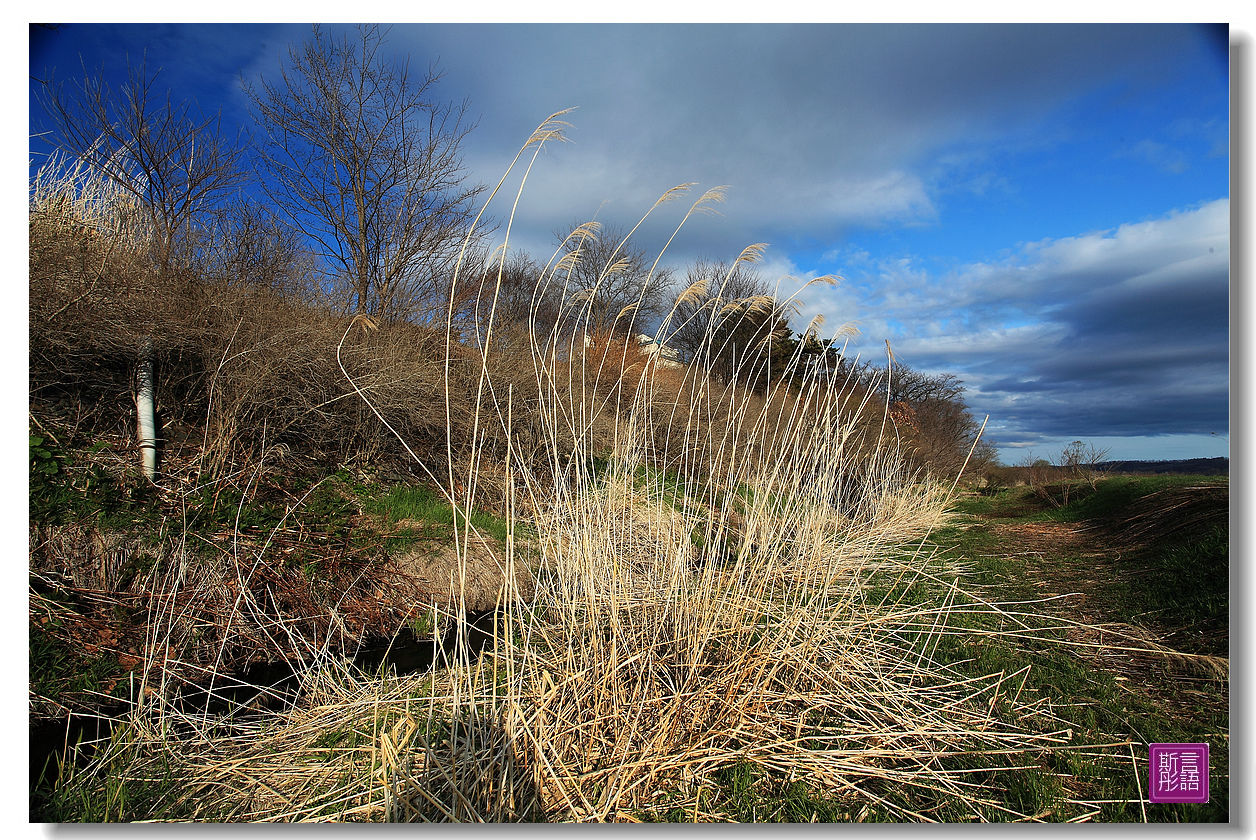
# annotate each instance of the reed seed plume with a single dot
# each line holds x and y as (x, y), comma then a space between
(618, 267)
(713, 196)
(566, 263)
(676, 192)
(550, 131)
(693, 292)
(752, 253)
(585, 231)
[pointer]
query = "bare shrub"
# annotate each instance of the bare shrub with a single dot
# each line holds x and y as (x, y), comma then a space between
(94, 298)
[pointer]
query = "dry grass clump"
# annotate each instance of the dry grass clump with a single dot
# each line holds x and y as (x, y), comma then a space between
(709, 602)
(628, 685)
(704, 610)
(1165, 514)
(676, 638)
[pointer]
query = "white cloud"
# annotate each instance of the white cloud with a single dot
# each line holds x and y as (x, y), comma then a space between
(1160, 155)
(889, 196)
(1105, 332)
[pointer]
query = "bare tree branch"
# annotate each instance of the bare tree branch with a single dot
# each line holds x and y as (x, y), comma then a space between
(362, 161)
(175, 163)
(611, 284)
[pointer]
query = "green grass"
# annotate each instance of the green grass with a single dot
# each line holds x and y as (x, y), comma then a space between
(1016, 503)
(1180, 578)
(417, 503)
(65, 485)
(746, 792)
(1191, 578)
(57, 667)
(108, 790)
(751, 794)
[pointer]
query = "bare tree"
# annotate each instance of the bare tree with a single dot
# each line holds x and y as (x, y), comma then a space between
(361, 159)
(728, 321)
(176, 167)
(515, 290)
(944, 429)
(612, 286)
(708, 287)
(1080, 460)
(174, 162)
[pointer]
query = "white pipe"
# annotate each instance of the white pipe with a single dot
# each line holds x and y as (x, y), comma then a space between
(145, 411)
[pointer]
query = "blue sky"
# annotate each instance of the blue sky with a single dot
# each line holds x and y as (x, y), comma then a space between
(1042, 210)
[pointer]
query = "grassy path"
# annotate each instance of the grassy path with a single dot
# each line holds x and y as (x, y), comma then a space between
(1135, 574)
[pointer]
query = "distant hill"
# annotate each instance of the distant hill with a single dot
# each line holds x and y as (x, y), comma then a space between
(1189, 466)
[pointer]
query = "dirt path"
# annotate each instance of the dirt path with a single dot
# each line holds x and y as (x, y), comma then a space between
(1074, 565)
